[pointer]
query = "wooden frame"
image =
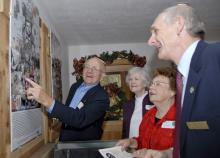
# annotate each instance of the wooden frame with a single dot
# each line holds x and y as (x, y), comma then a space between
(4, 87)
(45, 63)
(27, 149)
(118, 68)
(4, 7)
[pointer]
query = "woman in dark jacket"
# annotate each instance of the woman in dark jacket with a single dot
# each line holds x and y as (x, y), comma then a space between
(133, 111)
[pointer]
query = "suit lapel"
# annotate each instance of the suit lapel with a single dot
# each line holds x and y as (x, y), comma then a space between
(190, 93)
(130, 109)
(72, 92)
(191, 89)
(90, 93)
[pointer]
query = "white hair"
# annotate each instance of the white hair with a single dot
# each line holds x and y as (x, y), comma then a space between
(142, 71)
(194, 25)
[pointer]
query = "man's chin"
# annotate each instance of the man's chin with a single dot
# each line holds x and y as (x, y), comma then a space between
(162, 56)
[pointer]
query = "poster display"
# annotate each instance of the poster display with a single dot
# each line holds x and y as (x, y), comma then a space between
(26, 116)
(56, 68)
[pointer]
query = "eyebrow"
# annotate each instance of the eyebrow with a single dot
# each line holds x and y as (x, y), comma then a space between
(153, 28)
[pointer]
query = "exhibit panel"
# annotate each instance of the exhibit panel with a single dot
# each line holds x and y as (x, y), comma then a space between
(24, 124)
(24, 52)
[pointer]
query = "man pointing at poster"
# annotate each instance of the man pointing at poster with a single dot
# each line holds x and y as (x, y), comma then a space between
(83, 114)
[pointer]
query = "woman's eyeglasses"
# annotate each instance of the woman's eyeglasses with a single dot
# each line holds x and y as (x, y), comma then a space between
(157, 83)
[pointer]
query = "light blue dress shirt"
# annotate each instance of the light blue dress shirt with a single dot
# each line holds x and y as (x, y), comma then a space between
(79, 94)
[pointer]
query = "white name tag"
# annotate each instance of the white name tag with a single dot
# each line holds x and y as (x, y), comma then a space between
(168, 124)
(148, 107)
(80, 105)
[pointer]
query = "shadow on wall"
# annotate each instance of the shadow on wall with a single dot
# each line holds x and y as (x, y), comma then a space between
(155, 62)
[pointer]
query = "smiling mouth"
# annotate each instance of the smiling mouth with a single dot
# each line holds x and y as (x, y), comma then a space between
(89, 76)
(158, 48)
(151, 93)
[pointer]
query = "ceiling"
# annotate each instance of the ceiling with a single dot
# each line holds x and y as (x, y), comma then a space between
(88, 22)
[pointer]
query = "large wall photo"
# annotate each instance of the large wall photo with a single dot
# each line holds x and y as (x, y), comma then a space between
(56, 68)
(26, 118)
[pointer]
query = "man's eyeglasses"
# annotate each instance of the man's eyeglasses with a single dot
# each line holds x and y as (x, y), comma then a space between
(94, 69)
(157, 83)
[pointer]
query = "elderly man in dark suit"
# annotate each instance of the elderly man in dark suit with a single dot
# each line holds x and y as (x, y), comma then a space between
(178, 35)
(83, 114)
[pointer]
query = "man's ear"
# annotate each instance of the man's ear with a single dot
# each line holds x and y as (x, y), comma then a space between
(102, 75)
(180, 24)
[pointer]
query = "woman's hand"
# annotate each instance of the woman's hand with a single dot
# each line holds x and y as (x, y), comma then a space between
(159, 153)
(127, 143)
(139, 153)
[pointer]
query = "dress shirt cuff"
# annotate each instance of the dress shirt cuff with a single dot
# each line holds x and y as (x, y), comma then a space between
(50, 109)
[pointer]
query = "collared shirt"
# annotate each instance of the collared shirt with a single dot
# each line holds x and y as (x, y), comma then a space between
(184, 65)
(79, 94)
(136, 117)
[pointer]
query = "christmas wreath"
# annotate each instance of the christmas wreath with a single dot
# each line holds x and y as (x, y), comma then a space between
(108, 58)
(117, 99)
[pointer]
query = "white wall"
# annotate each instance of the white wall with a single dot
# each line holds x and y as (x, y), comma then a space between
(64, 49)
(141, 49)
(65, 73)
(68, 53)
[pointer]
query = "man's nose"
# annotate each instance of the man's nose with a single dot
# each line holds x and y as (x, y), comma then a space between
(151, 41)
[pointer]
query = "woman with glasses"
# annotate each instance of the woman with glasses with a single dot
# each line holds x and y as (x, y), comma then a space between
(138, 80)
(156, 131)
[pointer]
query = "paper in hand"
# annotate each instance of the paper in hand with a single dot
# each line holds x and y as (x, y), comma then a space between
(114, 152)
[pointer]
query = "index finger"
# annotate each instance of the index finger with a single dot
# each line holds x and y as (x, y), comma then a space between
(32, 83)
(119, 143)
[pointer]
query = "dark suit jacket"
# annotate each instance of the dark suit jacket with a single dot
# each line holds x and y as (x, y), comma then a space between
(128, 109)
(85, 123)
(202, 103)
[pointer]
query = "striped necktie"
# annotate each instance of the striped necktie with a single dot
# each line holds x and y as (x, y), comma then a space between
(179, 87)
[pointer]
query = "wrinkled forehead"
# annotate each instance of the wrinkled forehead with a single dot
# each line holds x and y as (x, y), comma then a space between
(160, 78)
(95, 62)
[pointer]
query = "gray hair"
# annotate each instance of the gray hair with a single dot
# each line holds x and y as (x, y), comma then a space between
(142, 71)
(194, 25)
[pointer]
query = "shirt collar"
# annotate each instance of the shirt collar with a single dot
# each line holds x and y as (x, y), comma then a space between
(184, 64)
(141, 97)
(83, 85)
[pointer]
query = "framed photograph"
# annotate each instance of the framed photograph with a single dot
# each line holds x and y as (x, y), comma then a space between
(111, 78)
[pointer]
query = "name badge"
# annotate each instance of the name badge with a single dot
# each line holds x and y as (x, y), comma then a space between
(148, 107)
(197, 125)
(80, 105)
(168, 124)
